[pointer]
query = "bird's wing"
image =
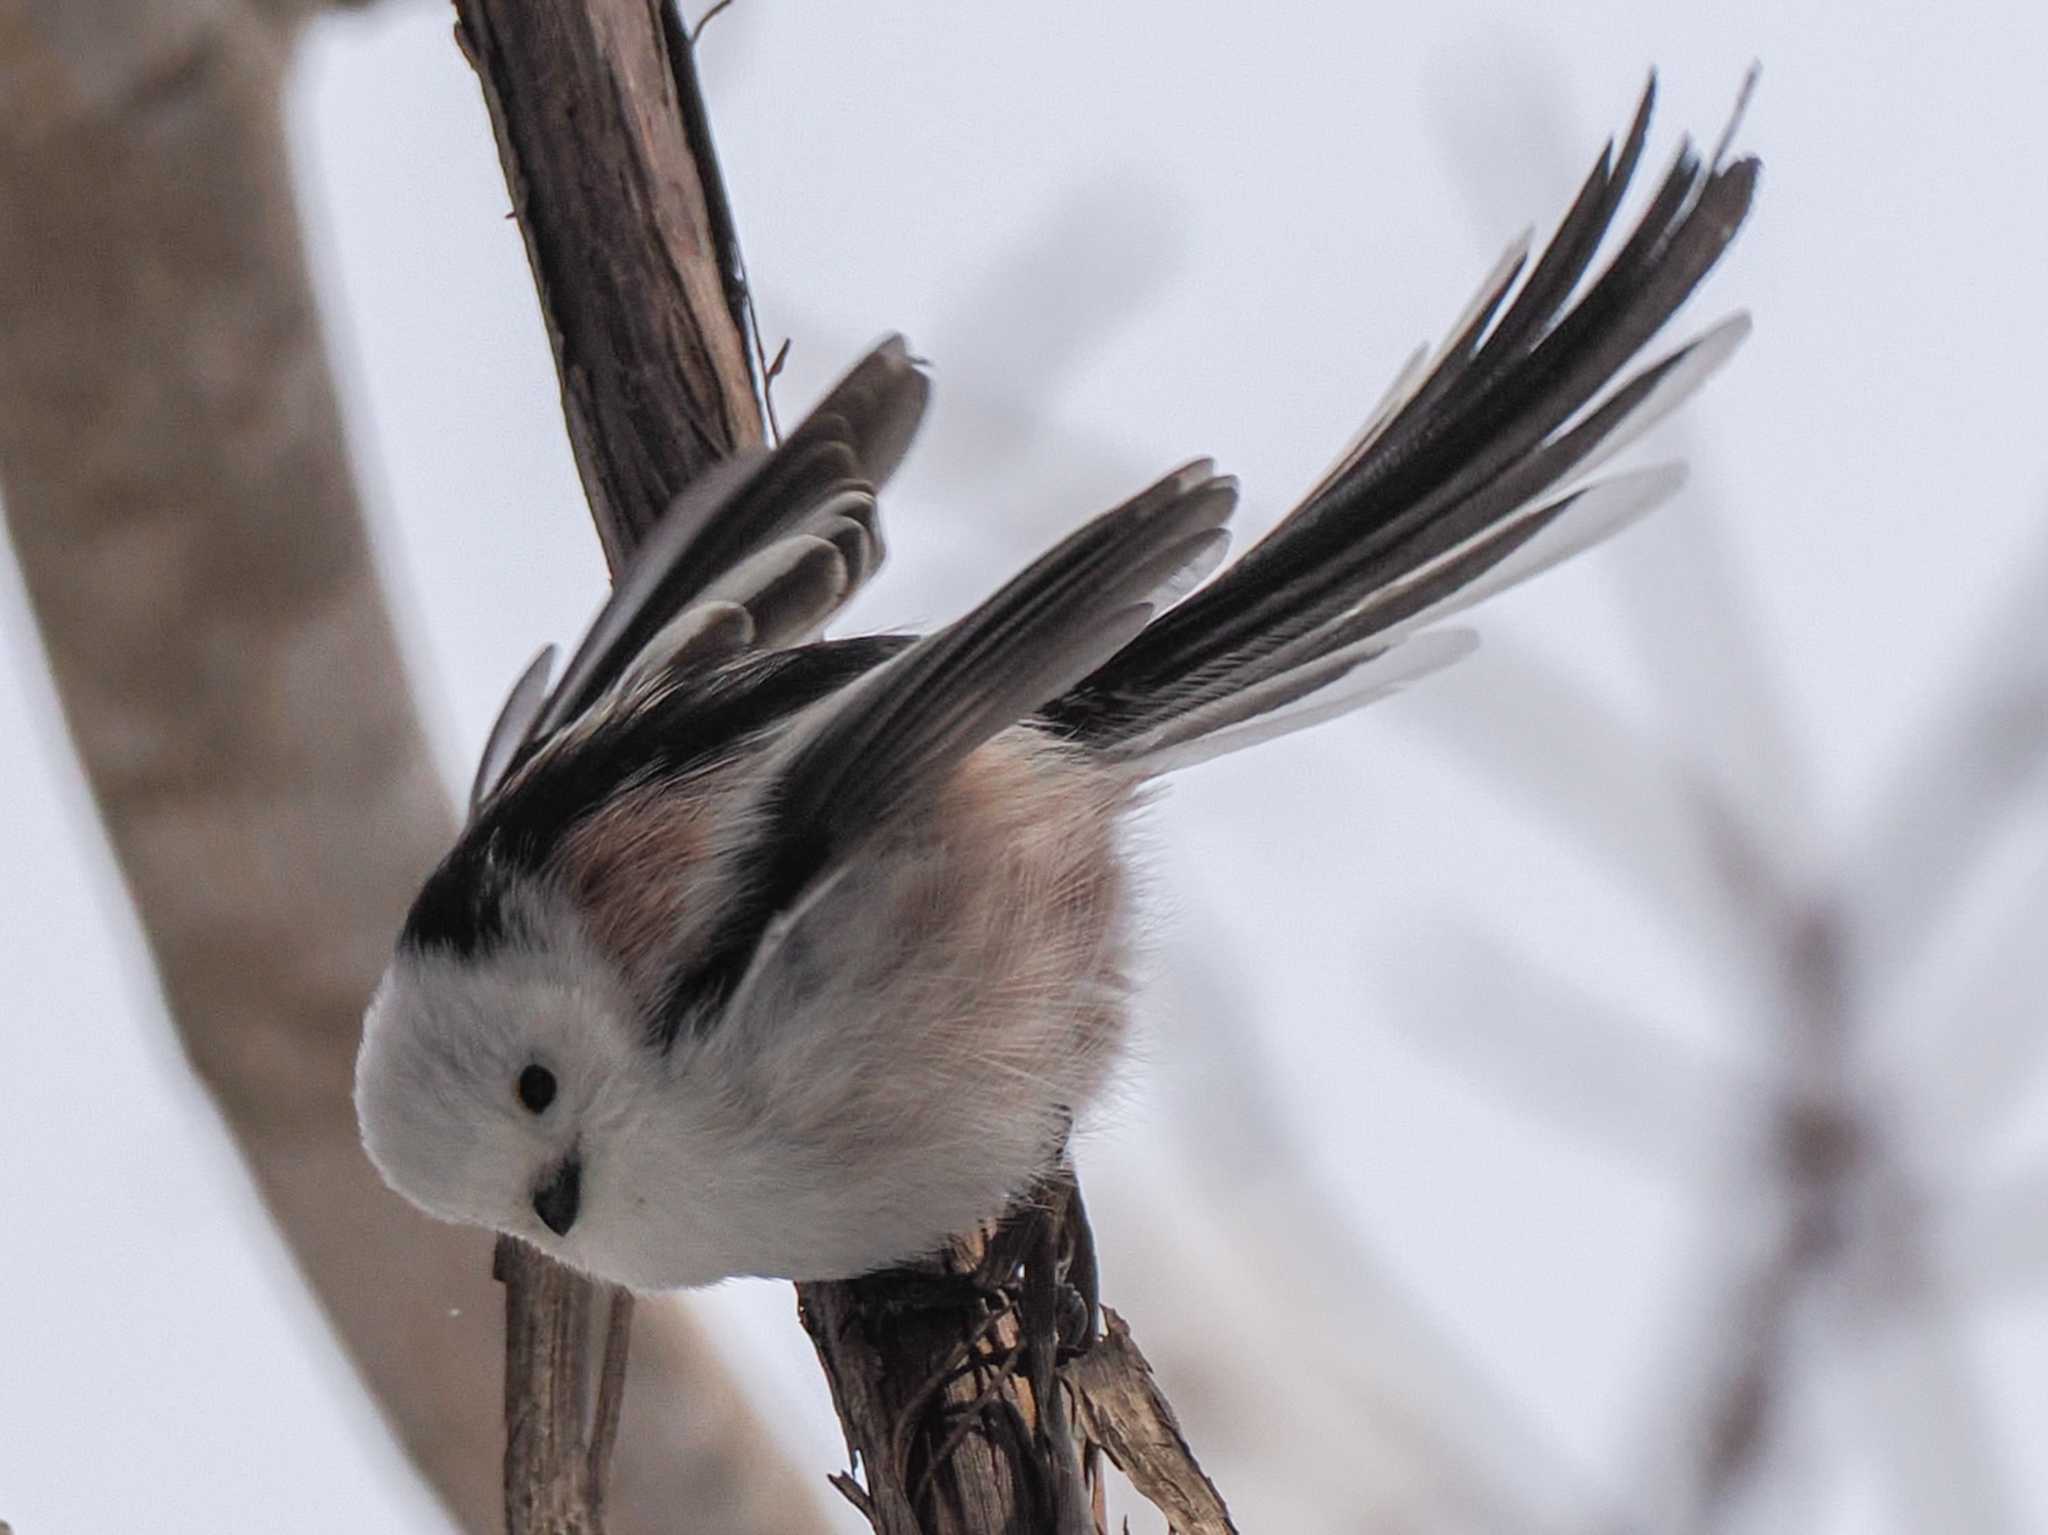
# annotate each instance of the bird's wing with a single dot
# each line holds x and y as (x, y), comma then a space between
(758, 553)
(886, 741)
(513, 726)
(1470, 474)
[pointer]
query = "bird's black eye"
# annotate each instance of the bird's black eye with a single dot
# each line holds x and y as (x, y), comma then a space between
(536, 1088)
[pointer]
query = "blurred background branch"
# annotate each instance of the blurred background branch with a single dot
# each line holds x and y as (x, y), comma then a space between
(179, 497)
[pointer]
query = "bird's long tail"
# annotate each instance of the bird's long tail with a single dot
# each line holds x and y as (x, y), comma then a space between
(1471, 475)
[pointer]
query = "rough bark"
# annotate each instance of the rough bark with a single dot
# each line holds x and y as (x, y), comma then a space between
(943, 1376)
(975, 1402)
(178, 494)
(616, 189)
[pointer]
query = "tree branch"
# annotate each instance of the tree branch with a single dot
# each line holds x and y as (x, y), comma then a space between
(630, 240)
(601, 131)
(179, 497)
(947, 1378)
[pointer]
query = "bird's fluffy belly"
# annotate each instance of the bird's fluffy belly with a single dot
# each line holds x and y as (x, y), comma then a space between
(912, 1057)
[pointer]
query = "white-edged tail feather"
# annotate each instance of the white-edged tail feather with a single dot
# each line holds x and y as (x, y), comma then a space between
(1202, 561)
(1424, 362)
(1308, 695)
(789, 588)
(1590, 515)
(1698, 360)
(521, 708)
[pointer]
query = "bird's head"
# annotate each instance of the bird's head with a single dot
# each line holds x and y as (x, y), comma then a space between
(494, 1081)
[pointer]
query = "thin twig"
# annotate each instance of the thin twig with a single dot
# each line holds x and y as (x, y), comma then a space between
(850, 1490)
(611, 1396)
(707, 18)
(770, 372)
(681, 46)
(1123, 1410)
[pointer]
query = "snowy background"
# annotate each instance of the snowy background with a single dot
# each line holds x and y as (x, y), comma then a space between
(1443, 1148)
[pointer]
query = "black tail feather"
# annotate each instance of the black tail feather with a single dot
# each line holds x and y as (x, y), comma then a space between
(1453, 479)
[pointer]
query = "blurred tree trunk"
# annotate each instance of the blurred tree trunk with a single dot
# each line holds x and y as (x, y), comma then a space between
(178, 495)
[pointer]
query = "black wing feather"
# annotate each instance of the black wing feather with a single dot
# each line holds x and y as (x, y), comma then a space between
(1478, 441)
(890, 738)
(672, 733)
(853, 441)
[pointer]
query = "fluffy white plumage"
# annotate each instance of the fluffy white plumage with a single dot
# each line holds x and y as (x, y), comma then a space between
(768, 956)
(885, 1083)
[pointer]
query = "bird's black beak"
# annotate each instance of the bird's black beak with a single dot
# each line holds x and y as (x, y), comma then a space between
(556, 1199)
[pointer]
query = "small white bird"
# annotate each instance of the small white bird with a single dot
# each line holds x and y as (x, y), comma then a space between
(763, 954)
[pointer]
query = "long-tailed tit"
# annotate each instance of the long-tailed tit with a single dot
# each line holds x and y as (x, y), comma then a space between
(767, 954)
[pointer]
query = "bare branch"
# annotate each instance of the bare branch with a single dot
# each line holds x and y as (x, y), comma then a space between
(618, 199)
(1964, 1066)
(643, 297)
(942, 1376)
(178, 493)
(1652, 816)
(1974, 766)
(1550, 1047)
(1126, 1412)
(1920, 1388)
(611, 1397)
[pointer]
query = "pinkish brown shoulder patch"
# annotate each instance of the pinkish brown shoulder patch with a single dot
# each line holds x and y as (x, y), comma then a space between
(630, 868)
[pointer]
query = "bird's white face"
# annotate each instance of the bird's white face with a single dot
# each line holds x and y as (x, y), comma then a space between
(511, 1091)
(491, 1090)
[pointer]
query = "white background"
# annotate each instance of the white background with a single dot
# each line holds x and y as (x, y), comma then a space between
(1126, 235)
